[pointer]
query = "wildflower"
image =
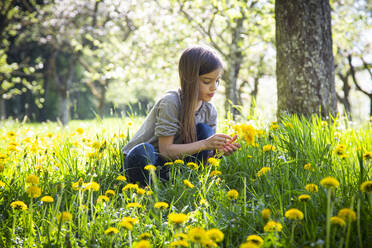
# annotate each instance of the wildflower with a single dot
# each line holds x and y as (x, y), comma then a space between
(83, 207)
(304, 198)
(203, 202)
(77, 185)
(188, 184)
(179, 243)
(145, 235)
(161, 205)
(111, 231)
(294, 214)
(177, 218)
(80, 131)
(130, 186)
(110, 193)
(289, 125)
(64, 217)
(102, 198)
(347, 214)
(337, 221)
(329, 182)
(215, 235)
(179, 161)
(47, 199)
(274, 126)
(263, 171)
(213, 161)
(150, 167)
(340, 149)
(143, 244)
(232, 194)
(367, 155)
(255, 239)
(311, 187)
(18, 205)
(248, 245)
(33, 191)
(92, 186)
(149, 192)
(2, 184)
(215, 173)
(134, 205)
(366, 187)
(266, 213)
(11, 134)
(181, 236)
(192, 165)
(268, 147)
(168, 163)
(309, 167)
(121, 178)
(197, 235)
(32, 179)
(272, 226)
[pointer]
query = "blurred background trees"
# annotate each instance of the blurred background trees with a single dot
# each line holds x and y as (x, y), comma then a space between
(62, 60)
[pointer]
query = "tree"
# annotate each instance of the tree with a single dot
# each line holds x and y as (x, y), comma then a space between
(305, 65)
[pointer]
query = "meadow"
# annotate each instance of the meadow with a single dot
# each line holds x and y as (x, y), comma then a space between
(294, 183)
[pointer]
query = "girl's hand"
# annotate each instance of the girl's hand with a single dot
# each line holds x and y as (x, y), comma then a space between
(217, 141)
(230, 147)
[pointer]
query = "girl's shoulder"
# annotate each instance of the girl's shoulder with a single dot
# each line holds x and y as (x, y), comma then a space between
(171, 97)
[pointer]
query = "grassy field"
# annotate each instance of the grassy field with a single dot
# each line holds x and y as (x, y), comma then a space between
(297, 183)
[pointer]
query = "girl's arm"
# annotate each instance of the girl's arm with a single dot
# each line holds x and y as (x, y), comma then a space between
(173, 151)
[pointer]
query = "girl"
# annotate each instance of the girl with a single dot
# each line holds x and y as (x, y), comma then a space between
(182, 124)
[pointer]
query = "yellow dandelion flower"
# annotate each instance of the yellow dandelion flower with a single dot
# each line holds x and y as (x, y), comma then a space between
(143, 244)
(102, 198)
(366, 187)
(309, 167)
(2, 184)
(311, 187)
(272, 226)
(47, 199)
(179, 161)
(33, 191)
(110, 193)
(168, 164)
(177, 218)
(64, 217)
(232, 194)
(248, 245)
(144, 235)
(11, 134)
(266, 213)
(304, 198)
(255, 239)
(161, 205)
(141, 191)
(347, 214)
(92, 186)
(179, 243)
(130, 186)
(134, 205)
(149, 192)
(18, 205)
(78, 185)
(80, 131)
(215, 235)
(126, 225)
(188, 184)
(192, 165)
(340, 149)
(32, 179)
(121, 178)
(294, 214)
(150, 167)
(337, 221)
(263, 171)
(111, 231)
(215, 173)
(197, 235)
(268, 147)
(130, 220)
(367, 155)
(329, 182)
(274, 127)
(213, 161)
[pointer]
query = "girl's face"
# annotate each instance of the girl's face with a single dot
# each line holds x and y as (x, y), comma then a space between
(208, 84)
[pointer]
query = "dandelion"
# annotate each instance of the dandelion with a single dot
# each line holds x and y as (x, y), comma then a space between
(11, 134)
(340, 149)
(161, 205)
(366, 187)
(213, 161)
(232, 194)
(143, 244)
(266, 213)
(150, 167)
(215, 235)
(188, 184)
(110, 193)
(304, 198)
(197, 235)
(130, 186)
(78, 185)
(311, 187)
(177, 218)
(141, 191)
(179, 162)
(64, 217)
(2, 184)
(367, 155)
(18, 205)
(338, 221)
(134, 205)
(248, 245)
(329, 182)
(179, 243)
(347, 214)
(263, 171)
(47, 199)
(192, 165)
(168, 164)
(33, 191)
(215, 173)
(92, 186)
(102, 198)
(145, 235)
(272, 226)
(309, 167)
(32, 179)
(268, 147)
(294, 214)
(128, 222)
(111, 231)
(255, 239)
(80, 131)
(121, 178)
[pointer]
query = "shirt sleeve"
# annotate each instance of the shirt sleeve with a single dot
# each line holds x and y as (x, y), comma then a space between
(167, 122)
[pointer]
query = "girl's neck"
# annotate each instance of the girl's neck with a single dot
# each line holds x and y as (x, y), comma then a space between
(198, 105)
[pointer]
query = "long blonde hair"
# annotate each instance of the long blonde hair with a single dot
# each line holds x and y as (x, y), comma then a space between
(194, 62)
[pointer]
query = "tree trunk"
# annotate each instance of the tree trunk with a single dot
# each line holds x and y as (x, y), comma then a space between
(2, 109)
(305, 65)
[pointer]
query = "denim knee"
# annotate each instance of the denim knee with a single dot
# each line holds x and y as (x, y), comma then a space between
(203, 131)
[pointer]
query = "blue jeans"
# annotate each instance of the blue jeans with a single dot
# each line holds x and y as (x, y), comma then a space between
(143, 154)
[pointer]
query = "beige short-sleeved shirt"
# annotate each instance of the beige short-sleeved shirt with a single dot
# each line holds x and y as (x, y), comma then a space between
(163, 120)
